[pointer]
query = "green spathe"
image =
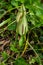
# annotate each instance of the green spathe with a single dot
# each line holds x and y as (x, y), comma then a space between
(22, 26)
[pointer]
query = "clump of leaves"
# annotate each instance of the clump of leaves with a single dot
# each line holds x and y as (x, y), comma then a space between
(4, 55)
(20, 61)
(13, 48)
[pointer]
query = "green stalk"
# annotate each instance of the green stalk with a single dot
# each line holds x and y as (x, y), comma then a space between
(40, 63)
(6, 12)
(4, 22)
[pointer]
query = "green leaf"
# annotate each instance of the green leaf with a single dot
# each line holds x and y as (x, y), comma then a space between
(20, 61)
(12, 48)
(14, 3)
(12, 27)
(39, 13)
(22, 1)
(4, 55)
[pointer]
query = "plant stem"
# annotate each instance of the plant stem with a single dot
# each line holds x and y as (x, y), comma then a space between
(34, 52)
(6, 13)
(26, 45)
(4, 22)
(7, 27)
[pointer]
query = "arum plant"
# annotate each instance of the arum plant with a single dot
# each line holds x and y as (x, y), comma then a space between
(22, 26)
